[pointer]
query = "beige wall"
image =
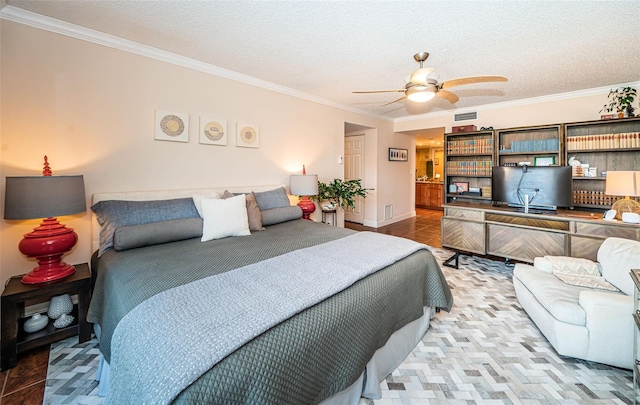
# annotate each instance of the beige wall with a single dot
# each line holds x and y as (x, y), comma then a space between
(90, 108)
(542, 111)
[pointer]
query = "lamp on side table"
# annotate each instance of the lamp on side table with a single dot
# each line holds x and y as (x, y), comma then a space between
(305, 185)
(625, 184)
(46, 196)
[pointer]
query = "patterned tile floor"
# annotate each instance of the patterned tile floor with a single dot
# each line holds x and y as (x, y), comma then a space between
(488, 351)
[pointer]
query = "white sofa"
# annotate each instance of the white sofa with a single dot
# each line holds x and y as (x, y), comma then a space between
(583, 322)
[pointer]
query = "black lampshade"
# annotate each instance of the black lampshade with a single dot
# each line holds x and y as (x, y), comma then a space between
(29, 197)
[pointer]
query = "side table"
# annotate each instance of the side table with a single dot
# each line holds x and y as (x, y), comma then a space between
(15, 340)
(331, 212)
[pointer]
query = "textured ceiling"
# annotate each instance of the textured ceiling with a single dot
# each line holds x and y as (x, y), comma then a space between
(330, 48)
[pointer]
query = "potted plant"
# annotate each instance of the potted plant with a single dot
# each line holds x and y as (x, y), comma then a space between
(620, 101)
(340, 193)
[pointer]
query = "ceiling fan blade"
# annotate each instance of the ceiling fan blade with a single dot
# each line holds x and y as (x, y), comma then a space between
(380, 91)
(391, 102)
(470, 80)
(420, 76)
(447, 95)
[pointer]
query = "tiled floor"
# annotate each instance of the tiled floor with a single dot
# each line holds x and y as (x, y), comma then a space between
(25, 383)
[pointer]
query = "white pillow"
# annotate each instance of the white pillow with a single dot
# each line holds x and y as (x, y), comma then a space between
(222, 218)
(197, 200)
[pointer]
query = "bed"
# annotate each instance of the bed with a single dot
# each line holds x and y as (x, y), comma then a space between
(273, 315)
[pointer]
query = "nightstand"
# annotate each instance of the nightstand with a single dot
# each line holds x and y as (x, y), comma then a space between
(15, 340)
(332, 212)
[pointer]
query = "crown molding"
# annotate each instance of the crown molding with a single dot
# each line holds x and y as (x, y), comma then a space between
(39, 21)
(521, 102)
(14, 14)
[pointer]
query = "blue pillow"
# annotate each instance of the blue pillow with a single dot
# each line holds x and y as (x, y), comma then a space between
(112, 214)
(276, 198)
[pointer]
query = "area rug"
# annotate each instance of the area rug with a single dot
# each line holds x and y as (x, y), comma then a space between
(486, 351)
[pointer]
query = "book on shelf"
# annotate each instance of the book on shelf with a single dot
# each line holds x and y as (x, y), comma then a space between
(469, 167)
(604, 141)
(470, 146)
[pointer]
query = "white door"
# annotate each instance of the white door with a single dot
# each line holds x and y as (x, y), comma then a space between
(354, 169)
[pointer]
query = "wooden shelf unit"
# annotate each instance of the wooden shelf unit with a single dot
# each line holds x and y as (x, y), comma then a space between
(607, 145)
(524, 144)
(469, 158)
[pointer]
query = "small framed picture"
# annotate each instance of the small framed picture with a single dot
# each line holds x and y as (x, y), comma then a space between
(544, 160)
(398, 155)
(213, 131)
(247, 135)
(461, 186)
(171, 126)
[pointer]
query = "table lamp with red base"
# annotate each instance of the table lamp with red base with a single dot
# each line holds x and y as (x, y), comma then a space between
(46, 196)
(305, 185)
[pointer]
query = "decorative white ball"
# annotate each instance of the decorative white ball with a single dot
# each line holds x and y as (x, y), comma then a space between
(60, 305)
(35, 323)
(63, 321)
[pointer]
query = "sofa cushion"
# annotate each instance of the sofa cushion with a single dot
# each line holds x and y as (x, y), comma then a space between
(557, 297)
(573, 266)
(595, 282)
(617, 257)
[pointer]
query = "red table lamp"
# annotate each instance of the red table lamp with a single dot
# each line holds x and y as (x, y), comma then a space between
(46, 197)
(305, 185)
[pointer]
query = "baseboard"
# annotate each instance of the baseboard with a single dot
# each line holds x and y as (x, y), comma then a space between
(379, 224)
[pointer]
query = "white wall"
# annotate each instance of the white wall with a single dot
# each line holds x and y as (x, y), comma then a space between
(396, 179)
(90, 108)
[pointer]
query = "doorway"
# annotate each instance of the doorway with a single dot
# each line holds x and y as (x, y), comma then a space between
(354, 169)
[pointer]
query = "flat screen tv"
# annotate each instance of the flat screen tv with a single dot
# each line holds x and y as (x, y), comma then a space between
(532, 187)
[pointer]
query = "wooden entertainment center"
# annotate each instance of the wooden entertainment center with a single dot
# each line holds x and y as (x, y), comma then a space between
(472, 224)
(500, 231)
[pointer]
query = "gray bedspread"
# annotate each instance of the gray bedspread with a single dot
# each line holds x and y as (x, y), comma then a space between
(327, 345)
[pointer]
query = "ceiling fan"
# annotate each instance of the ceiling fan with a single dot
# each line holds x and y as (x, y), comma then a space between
(422, 88)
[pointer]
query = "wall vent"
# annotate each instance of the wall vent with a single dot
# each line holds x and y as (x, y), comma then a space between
(466, 116)
(388, 211)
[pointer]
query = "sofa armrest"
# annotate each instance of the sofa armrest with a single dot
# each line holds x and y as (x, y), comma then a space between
(600, 298)
(610, 324)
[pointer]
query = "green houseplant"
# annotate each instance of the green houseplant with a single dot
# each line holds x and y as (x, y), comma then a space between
(340, 193)
(621, 100)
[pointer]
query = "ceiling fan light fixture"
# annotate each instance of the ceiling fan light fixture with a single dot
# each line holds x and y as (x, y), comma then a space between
(420, 76)
(421, 96)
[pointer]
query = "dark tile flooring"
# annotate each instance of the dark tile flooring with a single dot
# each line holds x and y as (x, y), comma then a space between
(24, 384)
